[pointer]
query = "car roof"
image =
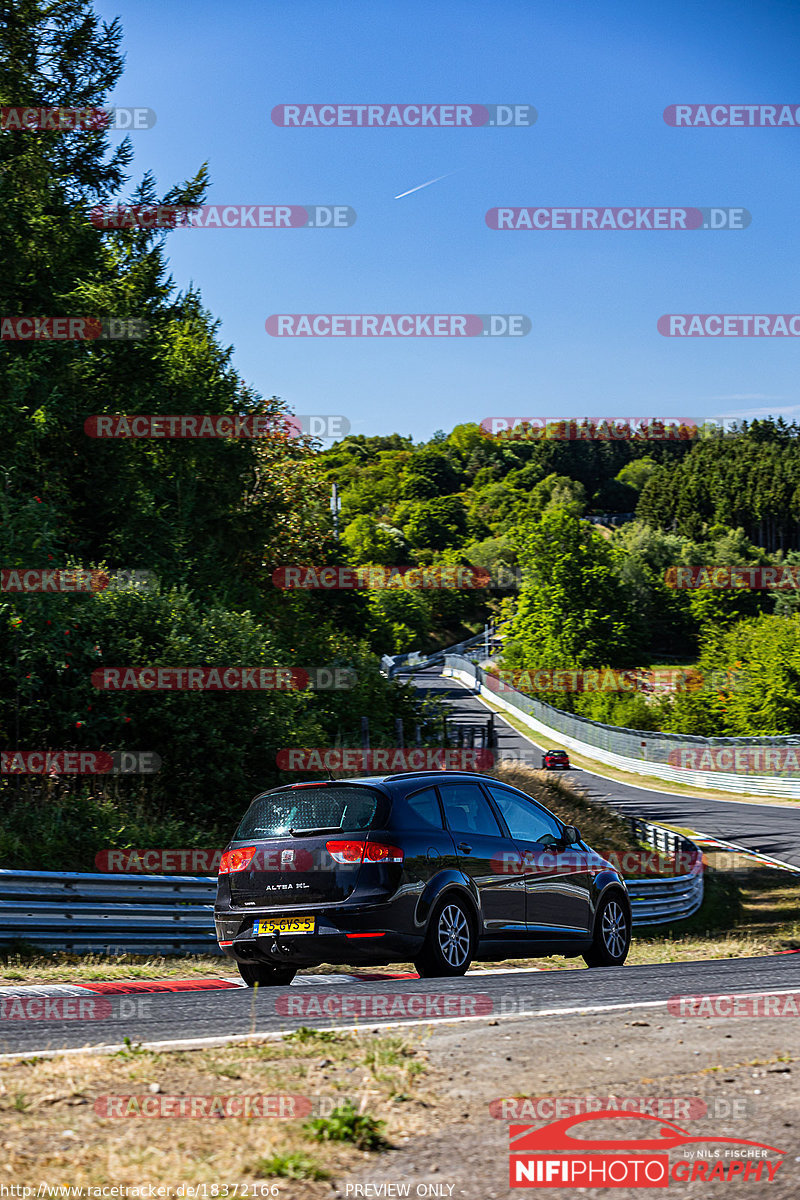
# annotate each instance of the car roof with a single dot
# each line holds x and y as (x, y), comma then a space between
(390, 783)
(391, 786)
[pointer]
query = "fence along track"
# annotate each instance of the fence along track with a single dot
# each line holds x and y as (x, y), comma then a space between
(641, 752)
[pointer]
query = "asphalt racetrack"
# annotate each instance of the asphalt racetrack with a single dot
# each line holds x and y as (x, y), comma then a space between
(193, 1017)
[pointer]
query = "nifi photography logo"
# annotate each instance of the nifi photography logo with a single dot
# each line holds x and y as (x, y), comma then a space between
(552, 1155)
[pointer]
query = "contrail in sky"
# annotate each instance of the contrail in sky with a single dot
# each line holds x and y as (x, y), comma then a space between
(422, 185)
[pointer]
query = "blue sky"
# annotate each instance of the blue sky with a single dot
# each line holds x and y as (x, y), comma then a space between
(599, 77)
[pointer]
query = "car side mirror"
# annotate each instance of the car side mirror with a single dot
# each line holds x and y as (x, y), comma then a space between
(571, 835)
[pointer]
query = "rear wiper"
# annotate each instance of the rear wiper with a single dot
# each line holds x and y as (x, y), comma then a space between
(315, 829)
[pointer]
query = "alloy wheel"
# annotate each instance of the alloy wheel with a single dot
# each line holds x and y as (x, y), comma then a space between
(453, 935)
(614, 929)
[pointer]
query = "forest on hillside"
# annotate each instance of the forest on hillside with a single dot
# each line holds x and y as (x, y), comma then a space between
(579, 538)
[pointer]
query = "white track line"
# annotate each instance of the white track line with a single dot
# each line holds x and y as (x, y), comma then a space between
(368, 1026)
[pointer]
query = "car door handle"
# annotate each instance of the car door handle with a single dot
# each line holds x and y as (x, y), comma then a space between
(464, 847)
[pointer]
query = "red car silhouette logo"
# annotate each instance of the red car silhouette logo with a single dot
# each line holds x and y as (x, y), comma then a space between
(557, 1136)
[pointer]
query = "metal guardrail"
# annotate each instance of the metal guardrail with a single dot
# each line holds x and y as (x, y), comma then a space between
(664, 899)
(108, 914)
(396, 664)
(156, 914)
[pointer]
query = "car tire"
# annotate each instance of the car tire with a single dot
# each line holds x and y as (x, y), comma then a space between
(612, 934)
(450, 941)
(263, 975)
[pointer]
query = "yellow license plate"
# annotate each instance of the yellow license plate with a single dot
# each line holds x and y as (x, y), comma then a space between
(268, 925)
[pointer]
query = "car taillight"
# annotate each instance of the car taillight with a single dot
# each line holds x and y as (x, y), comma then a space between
(379, 852)
(236, 860)
(357, 852)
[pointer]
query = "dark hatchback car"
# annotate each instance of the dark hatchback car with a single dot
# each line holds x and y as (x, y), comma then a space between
(439, 868)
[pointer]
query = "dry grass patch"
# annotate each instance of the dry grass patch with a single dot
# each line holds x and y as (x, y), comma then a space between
(363, 1089)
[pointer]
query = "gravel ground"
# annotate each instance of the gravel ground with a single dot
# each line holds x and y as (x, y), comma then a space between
(745, 1069)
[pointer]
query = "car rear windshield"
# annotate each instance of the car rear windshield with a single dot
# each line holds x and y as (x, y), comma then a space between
(281, 814)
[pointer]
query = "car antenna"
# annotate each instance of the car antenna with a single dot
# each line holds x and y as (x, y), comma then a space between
(330, 775)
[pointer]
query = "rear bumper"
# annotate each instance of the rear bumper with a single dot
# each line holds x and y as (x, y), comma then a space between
(343, 937)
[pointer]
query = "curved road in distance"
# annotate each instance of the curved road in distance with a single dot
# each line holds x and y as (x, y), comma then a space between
(772, 829)
(196, 1015)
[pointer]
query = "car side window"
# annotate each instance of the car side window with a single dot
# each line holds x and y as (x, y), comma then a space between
(525, 820)
(468, 811)
(423, 810)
